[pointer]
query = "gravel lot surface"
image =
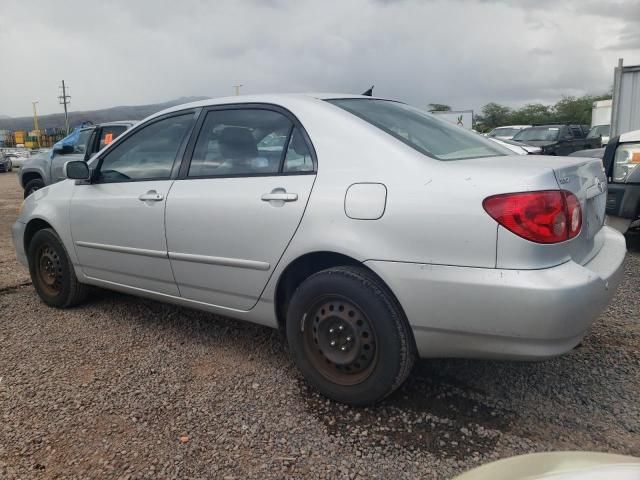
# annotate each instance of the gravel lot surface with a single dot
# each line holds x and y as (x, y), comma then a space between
(127, 388)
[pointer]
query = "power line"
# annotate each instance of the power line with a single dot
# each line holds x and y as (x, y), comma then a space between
(64, 100)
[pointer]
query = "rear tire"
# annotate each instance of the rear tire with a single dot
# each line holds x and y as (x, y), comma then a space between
(52, 273)
(32, 186)
(349, 336)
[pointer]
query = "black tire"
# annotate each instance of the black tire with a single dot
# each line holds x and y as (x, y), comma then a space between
(374, 331)
(52, 273)
(32, 186)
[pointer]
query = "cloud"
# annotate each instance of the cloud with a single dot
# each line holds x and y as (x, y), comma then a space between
(464, 52)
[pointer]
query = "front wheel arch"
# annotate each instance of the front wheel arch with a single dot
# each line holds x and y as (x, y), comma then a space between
(32, 228)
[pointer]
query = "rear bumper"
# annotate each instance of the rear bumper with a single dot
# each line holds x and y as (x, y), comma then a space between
(497, 313)
(17, 235)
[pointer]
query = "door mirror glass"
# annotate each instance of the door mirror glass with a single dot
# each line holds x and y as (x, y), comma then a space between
(76, 170)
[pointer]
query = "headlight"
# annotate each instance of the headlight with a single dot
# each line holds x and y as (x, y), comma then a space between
(626, 160)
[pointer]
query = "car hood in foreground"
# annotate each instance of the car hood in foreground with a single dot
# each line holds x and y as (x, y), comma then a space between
(559, 466)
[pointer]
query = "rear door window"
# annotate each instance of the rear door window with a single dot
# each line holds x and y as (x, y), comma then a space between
(240, 142)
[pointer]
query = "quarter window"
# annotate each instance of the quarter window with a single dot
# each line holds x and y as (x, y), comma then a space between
(148, 153)
(298, 157)
(240, 142)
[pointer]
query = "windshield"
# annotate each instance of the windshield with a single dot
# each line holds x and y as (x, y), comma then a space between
(420, 130)
(538, 133)
(504, 132)
(598, 130)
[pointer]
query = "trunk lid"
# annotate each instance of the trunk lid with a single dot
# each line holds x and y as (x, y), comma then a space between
(585, 178)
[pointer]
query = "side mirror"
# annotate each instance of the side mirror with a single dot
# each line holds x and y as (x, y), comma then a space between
(76, 170)
(63, 149)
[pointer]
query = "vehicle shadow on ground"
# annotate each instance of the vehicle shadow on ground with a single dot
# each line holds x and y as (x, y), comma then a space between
(452, 407)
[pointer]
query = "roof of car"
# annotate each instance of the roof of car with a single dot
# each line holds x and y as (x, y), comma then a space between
(274, 98)
(513, 126)
(118, 122)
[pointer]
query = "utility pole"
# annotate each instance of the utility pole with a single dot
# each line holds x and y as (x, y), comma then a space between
(35, 121)
(64, 100)
(237, 89)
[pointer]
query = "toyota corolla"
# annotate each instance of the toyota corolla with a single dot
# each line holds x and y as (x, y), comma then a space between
(371, 233)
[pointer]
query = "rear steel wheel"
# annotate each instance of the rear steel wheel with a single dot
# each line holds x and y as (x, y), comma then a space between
(349, 336)
(340, 341)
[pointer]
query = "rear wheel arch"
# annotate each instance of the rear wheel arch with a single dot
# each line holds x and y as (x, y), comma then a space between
(306, 265)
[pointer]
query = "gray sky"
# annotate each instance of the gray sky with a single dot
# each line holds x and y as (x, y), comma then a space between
(461, 52)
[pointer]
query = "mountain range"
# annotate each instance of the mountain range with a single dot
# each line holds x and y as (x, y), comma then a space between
(56, 120)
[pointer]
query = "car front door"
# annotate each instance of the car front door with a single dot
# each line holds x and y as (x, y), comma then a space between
(117, 221)
(236, 206)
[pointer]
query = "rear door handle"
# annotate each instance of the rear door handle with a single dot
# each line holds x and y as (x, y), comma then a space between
(282, 196)
(151, 196)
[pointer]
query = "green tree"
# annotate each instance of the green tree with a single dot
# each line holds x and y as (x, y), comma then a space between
(438, 107)
(532, 113)
(494, 115)
(576, 109)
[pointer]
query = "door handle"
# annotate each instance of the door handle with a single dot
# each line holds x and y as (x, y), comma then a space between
(282, 196)
(151, 196)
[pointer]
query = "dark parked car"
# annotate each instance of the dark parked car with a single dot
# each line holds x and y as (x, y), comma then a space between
(5, 163)
(557, 139)
(621, 159)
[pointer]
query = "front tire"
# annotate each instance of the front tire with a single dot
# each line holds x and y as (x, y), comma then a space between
(349, 336)
(32, 186)
(52, 273)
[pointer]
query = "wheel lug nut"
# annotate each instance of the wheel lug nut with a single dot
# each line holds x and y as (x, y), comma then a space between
(340, 328)
(343, 348)
(333, 343)
(348, 339)
(331, 330)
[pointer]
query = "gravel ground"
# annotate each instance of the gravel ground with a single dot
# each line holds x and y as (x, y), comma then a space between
(127, 388)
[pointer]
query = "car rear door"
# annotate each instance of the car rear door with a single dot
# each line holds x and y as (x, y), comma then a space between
(237, 203)
(117, 221)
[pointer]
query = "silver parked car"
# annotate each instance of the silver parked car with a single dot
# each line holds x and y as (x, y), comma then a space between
(47, 166)
(370, 232)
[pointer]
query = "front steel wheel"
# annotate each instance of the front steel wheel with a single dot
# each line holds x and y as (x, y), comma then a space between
(349, 336)
(52, 272)
(48, 268)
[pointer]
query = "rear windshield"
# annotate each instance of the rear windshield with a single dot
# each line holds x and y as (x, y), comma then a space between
(504, 132)
(538, 134)
(420, 130)
(598, 130)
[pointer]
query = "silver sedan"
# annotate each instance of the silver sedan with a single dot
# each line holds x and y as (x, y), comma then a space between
(371, 233)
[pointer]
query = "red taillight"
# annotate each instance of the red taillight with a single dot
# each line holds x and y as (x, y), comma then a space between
(548, 216)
